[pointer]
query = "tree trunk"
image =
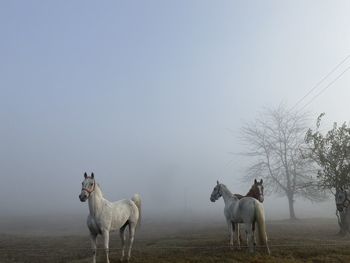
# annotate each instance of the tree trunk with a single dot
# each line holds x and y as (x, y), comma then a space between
(291, 207)
(344, 227)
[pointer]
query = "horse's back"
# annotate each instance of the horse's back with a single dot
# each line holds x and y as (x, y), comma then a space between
(247, 202)
(239, 196)
(247, 208)
(125, 205)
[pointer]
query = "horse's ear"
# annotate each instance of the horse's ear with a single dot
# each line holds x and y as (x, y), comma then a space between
(217, 182)
(92, 175)
(85, 175)
(255, 181)
(261, 181)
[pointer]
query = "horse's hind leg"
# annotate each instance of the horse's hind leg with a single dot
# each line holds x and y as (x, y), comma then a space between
(122, 237)
(230, 232)
(105, 234)
(250, 237)
(132, 227)
(93, 238)
(253, 233)
(238, 236)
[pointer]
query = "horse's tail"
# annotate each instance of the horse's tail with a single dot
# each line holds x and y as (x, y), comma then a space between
(137, 200)
(260, 218)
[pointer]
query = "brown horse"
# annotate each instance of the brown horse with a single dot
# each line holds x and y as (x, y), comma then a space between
(256, 191)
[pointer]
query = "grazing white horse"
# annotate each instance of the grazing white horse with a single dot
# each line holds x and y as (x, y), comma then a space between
(247, 210)
(106, 216)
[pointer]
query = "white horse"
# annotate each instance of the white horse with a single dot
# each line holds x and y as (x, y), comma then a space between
(247, 210)
(342, 201)
(106, 216)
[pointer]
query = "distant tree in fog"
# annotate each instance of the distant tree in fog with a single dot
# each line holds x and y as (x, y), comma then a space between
(331, 151)
(275, 141)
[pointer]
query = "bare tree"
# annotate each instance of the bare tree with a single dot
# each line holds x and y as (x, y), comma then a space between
(276, 140)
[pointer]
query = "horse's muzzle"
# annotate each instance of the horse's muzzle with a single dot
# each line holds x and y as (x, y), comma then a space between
(82, 197)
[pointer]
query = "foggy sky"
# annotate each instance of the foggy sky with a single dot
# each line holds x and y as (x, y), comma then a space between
(150, 95)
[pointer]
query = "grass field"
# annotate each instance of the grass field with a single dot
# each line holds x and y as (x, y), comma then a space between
(302, 241)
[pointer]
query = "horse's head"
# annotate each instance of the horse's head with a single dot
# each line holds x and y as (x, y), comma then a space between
(257, 190)
(216, 194)
(341, 199)
(88, 186)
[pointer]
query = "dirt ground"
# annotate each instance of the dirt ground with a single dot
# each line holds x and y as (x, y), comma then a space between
(307, 240)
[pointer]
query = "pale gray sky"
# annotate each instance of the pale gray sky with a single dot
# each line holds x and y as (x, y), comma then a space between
(143, 93)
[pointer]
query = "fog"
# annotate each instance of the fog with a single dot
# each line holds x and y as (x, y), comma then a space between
(151, 95)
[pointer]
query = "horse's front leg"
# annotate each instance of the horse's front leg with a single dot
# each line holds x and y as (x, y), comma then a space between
(93, 238)
(238, 237)
(105, 235)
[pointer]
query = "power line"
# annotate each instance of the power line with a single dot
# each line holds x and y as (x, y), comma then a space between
(325, 88)
(321, 81)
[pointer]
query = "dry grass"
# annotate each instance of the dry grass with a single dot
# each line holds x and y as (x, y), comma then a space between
(301, 241)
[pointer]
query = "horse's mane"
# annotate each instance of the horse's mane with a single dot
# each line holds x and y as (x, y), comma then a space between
(225, 187)
(99, 189)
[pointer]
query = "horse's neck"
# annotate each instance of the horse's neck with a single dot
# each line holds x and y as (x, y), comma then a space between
(95, 201)
(227, 195)
(251, 193)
